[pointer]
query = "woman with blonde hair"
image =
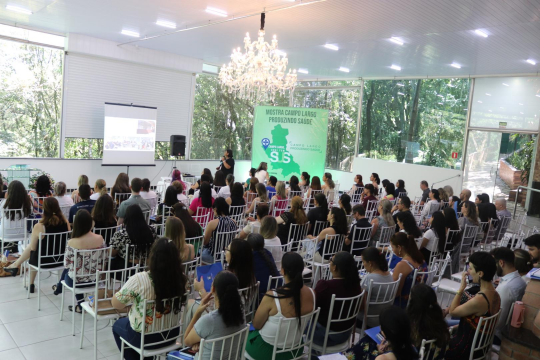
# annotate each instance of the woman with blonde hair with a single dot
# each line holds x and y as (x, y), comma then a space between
(295, 215)
(175, 232)
(281, 194)
(262, 197)
(385, 219)
(83, 180)
(269, 230)
(443, 195)
(100, 188)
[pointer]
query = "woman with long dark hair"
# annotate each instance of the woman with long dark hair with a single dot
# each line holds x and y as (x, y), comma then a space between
(433, 205)
(206, 175)
(400, 188)
(43, 190)
(375, 181)
(317, 213)
(435, 238)
(121, 185)
(237, 195)
(358, 186)
(294, 184)
(411, 259)
(345, 283)
(104, 216)
(264, 265)
(16, 199)
(407, 224)
(219, 178)
(262, 172)
(292, 300)
(164, 280)
(170, 199)
(227, 318)
(204, 201)
(427, 320)
(251, 176)
(345, 204)
(295, 215)
(338, 226)
(192, 228)
(225, 191)
(222, 223)
(136, 233)
(262, 198)
(304, 179)
(389, 190)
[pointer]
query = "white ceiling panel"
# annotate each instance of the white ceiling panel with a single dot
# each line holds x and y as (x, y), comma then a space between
(435, 32)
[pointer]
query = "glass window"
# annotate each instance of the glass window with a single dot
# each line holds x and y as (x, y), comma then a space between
(32, 36)
(506, 103)
(30, 100)
(415, 121)
(82, 148)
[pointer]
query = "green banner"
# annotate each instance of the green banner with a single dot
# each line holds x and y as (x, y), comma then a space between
(290, 140)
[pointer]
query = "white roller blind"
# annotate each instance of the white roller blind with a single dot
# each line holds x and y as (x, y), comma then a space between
(90, 81)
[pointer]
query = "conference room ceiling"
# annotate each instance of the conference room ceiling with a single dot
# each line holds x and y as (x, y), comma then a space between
(435, 33)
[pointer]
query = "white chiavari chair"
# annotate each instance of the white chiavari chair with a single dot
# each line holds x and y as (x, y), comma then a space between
(319, 226)
(279, 206)
(297, 232)
(236, 343)
(379, 297)
(331, 245)
(12, 231)
(120, 197)
(360, 238)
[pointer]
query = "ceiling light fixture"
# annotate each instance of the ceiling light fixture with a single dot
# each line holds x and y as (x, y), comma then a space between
(215, 11)
(344, 69)
(396, 40)
(167, 24)
(331, 47)
(481, 33)
(259, 72)
(303, 71)
(531, 61)
(521, 113)
(130, 33)
(395, 67)
(19, 9)
(505, 84)
(456, 65)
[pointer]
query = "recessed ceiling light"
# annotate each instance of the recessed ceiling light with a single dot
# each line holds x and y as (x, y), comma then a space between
(400, 93)
(521, 113)
(456, 65)
(487, 94)
(331, 47)
(215, 11)
(167, 24)
(481, 33)
(19, 9)
(344, 69)
(531, 61)
(303, 71)
(480, 101)
(505, 84)
(280, 52)
(400, 84)
(395, 67)
(130, 33)
(396, 40)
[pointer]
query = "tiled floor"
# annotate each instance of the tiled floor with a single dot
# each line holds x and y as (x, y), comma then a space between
(29, 334)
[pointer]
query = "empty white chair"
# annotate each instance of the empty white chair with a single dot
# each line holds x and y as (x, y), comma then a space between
(12, 230)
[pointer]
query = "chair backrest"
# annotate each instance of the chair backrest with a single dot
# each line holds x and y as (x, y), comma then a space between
(291, 337)
(402, 194)
(13, 229)
(277, 252)
(371, 209)
(483, 337)
(297, 232)
(423, 277)
(119, 197)
(147, 215)
(319, 226)
(202, 219)
(65, 211)
(133, 257)
(250, 299)
(221, 241)
(106, 233)
(294, 193)
(280, 206)
(230, 347)
(249, 198)
(439, 265)
(190, 268)
(237, 213)
(355, 197)
(360, 238)
(347, 310)
(451, 237)
(332, 245)
(37, 204)
(197, 243)
(162, 323)
(385, 235)
(502, 226)
(109, 282)
(255, 204)
(427, 349)
(467, 240)
(274, 282)
(383, 295)
(88, 262)
(52, 248)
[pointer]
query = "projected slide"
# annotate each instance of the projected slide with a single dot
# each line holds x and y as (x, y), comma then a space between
(129, 135)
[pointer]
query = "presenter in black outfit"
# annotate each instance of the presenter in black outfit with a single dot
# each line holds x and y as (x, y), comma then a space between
(227, 163)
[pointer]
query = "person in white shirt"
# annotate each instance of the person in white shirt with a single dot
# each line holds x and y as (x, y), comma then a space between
(261, 173)
(204, 178)
(433, 205)
(225, 191)
(148, 194)
(269, 229)
(60, 195)
(100, 188)
(511, 286)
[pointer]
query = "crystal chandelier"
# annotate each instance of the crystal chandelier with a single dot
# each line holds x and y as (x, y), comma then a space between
(259, 72)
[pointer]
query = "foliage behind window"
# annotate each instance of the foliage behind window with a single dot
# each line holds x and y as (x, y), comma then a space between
(80, 148)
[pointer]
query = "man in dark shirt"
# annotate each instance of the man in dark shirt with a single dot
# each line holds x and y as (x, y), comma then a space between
(318, 213)
(227, 163)
(271, 188)
(403, 205)
(86, 203)
(360, 222)
(424, 186)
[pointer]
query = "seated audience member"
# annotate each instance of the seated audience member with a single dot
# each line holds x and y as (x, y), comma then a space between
(176, 176)
(226, 318)
(251, 176)
(261, 173)
(345, 283)
(222, 223)
(424, 186)
(52, 222)
(269, 229)
(511, 286)
(368, 195)
(376, 267)
(470, 215)
(449, 191)
(471, 304)
(375, 182)
(465, 195)
(180, 187)
(453, 203)
(42, 190)
(486, 210)
(203, 202)
(164, 280)
(16, 199)
(219, 179)
(383, 220)
(397, 343)
(443, 195)
(427, 321)
(60, 195)
(191, 227)
(338, 226)
(237, 195)
(136, 186)
(434, 204)
(82, 180)
(277, 204)
(264, 265)
(304, 179)
(411, 259)
(206, 175)
(271, 187)
(358, 185)
(84, 204)
(293, 185)
(400, 188)
(251, 192)
(295, 215)
(262, 211)
(344, 203)
(384, 184)
(292, 300)
(389, 191)
(169, 200)
(205, 179)
(82, 238)
(174, 231)
(523, 263)
(360, 221)
(100, 188)
(407, 224)
(328, 186)
(502, 212)
(148, 194)
(317, 213)
(3, 187)
(225, 191)
(403, 204)
(136, 232)
(103, 215)
(533, 246)
(435, 238)
(121, 185)
(314, 186)
(262, 198)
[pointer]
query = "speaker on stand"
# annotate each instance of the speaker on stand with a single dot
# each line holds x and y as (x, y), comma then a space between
(178, 147)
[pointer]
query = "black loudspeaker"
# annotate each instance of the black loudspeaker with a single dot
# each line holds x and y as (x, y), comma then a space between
(178, 145)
